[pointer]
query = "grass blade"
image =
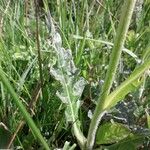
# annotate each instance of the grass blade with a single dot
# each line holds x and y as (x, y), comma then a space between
(24, 112)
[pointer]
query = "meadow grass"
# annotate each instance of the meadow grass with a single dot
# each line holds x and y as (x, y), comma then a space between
(29, 106)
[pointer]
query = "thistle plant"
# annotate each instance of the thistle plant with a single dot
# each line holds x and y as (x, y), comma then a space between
(67, 74)
(108, 100)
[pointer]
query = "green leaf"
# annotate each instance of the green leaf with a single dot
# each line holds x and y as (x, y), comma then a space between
(111, 133)
(124, 146)
(72, 85)
(129, 85)
(132, 142)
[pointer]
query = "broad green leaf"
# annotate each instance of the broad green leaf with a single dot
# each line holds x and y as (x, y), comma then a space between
(111, 133)
(124, 146)
(132, 142)
(129, 85)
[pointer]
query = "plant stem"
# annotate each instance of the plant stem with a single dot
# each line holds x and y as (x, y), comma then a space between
(38, 43)
(126, 15)
(24, 112)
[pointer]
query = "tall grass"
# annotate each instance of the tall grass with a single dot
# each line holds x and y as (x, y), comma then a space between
(65, 68)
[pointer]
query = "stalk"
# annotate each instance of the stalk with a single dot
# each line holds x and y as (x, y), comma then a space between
(126, 15)
(24, 112)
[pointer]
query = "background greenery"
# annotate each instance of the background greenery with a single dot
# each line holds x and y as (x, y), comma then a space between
(88, 28)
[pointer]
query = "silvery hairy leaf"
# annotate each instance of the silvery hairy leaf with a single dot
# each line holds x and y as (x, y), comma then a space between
(66, 73)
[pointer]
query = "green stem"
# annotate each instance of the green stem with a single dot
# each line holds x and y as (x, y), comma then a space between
(126, 15)
(24, 112)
